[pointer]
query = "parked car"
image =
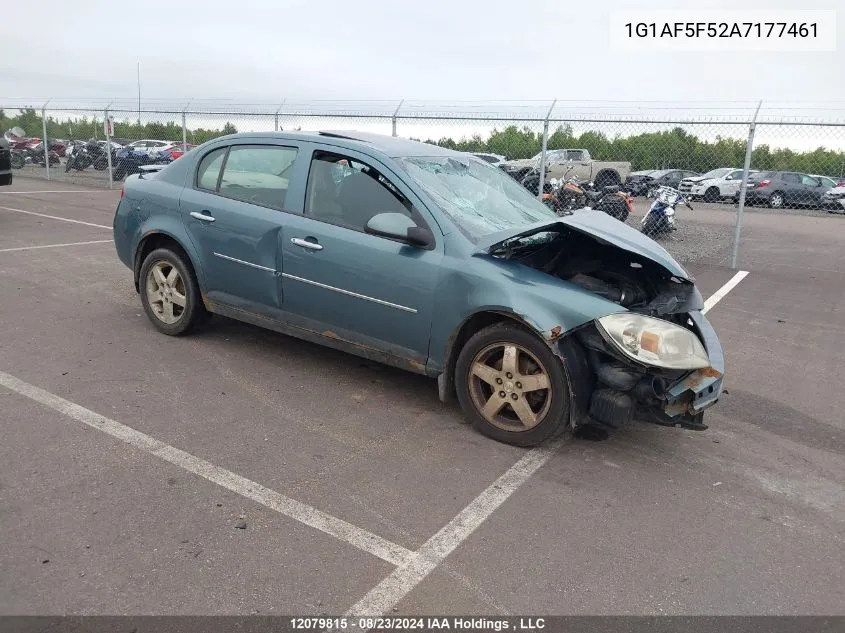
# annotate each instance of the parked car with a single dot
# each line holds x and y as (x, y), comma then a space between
(781, 189)
(148, 146)
(5, 162)
(493, 159)
(637, 182)
(834, 199)
(827, 181)
(715, 185)
(571, 163)
(430, 260)
(646, 183)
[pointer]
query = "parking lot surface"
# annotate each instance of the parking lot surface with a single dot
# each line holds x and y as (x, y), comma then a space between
(239, 471)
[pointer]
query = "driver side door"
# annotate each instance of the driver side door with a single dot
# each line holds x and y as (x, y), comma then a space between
(353, 288)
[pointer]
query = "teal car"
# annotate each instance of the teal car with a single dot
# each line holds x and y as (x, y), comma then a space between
(430, 260)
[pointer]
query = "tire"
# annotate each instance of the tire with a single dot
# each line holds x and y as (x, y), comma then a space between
(777, 200)
(712, 194)
(164, 318)
(17, 161)
(549, 405)
(607, 178)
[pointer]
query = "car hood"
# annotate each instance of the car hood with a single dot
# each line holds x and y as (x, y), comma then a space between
(836, 191)
(600, 226)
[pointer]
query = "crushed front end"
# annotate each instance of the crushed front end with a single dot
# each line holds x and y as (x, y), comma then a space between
(614, 388)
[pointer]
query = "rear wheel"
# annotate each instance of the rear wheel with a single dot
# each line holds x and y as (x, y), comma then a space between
(17, 161)
(511, 386)
(607, 178)
(777, 200)
(169, 293)
(712, 194)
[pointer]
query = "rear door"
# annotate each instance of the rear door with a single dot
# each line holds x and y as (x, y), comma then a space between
(234, 211)
(792, 188)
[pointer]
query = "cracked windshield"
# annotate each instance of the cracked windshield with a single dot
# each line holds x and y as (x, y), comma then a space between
(479, 198)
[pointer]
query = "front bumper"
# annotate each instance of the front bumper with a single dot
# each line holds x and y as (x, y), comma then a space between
(617, 390)
(835, 204)
(702, 388)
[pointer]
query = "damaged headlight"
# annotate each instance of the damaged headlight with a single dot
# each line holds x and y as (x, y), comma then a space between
(653, 341)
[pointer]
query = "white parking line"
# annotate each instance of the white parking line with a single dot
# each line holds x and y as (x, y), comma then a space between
(20, 193)
(55, 217)
(338, 528)
(717, 296)
(387, 594)
(31, 248)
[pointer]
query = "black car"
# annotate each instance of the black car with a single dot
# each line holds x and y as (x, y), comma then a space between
(780, 189)
(641, 183)
(5, 163)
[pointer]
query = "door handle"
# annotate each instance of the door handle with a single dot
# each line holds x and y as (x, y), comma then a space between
(202, 216)
(306, 244)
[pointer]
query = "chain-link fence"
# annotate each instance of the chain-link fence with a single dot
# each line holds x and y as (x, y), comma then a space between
(690, 153)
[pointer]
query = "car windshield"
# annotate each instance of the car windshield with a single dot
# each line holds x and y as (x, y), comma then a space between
(481, 199)
(717, 173)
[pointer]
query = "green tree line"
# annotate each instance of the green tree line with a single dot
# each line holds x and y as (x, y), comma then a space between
(674, 148)
(84, 128)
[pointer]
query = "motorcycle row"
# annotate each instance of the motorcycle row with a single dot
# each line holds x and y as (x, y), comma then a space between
(564, 196)
(124, 160)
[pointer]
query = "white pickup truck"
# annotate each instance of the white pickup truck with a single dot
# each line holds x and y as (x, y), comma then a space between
(572, 163)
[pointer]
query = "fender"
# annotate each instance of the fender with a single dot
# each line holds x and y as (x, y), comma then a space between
(172, 227)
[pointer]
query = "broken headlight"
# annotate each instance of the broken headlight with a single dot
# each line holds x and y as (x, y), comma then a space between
(653, 341)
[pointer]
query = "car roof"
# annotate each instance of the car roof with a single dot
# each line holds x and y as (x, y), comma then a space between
(391, 146)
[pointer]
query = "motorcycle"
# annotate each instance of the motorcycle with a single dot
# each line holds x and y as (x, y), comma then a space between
(90, 154)
(34, 155)
(574, 194)
(128, 161)
(660, 219)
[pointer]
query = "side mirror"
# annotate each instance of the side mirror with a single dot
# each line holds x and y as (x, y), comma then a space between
(399, 227)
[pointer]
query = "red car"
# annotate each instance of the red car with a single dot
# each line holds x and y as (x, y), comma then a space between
(176, 152)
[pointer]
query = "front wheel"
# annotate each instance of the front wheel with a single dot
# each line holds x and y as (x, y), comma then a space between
(169, 293)
(712, 194)
(511, 386)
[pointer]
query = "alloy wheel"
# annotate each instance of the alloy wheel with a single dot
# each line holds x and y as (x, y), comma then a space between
(166, 292)
(509, 387)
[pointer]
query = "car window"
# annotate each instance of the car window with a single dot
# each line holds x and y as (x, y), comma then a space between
(791, 178)
(488, 158)
(809, 180)
(209, 170)
(690, 174)
(575, 154)
(827, 182)
(735, 175)
(257, 174)
(347, 192)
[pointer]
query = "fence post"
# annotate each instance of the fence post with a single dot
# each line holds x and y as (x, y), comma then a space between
(276, 117)
(749, 146)
(543, 152)
(46, 144)
(395, 113)
(107, 130)
(184, 133)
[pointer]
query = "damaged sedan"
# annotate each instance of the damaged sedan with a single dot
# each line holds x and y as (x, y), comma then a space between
(429, 260)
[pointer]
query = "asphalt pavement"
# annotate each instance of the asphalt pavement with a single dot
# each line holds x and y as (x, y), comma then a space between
(240, 471)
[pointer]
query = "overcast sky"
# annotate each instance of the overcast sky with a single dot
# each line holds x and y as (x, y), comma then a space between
(381, 49)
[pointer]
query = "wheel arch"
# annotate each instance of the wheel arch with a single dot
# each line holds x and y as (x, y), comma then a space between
(164, 239)
(468, 327)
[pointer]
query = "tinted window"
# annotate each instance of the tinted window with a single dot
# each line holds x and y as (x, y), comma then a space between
(576, 154)
(791, 178)
(809, 180)
(347, 192)
(209, 169)
(257, 174)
